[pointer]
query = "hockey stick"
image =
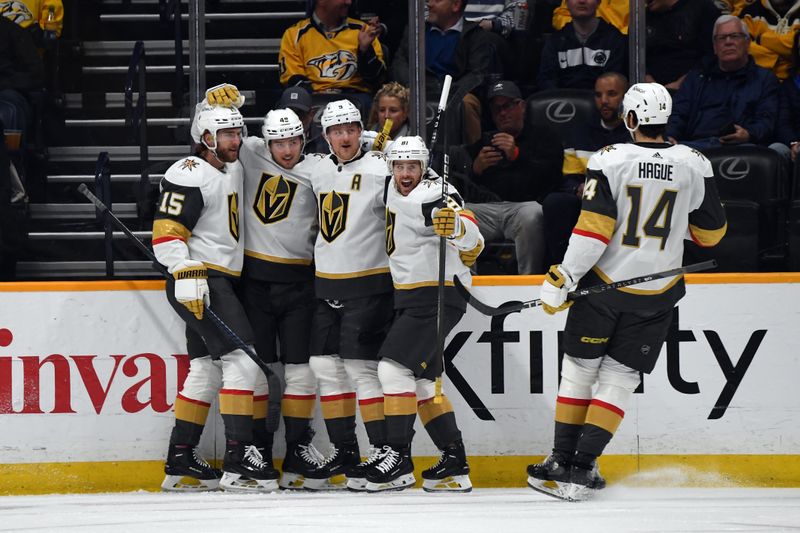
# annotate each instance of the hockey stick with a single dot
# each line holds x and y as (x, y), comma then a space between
(437, 398)
(513, 307)
(273, 380)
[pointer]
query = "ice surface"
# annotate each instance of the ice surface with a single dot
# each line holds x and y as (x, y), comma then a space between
(618, 509)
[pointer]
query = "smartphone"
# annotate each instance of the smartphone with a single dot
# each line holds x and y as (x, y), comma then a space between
(727, 129)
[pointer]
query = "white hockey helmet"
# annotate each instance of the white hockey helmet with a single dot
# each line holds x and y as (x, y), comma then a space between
(649, 102)
(340, 112)
(213, 118)
(282, 124)
(408, 149)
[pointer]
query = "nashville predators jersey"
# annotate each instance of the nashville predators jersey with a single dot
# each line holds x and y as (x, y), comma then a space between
(639, 202)
(772, 36)
(349, 253)
(329, 60)
(413, 246)
(280, 215)
(48, 14)
(197, 216)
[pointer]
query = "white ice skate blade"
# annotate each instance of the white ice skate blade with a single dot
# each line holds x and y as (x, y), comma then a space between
(357, 484)
(554, 489)
(400, 483)
(233, 482)
(188, 484)
(579, 493)
(448, 484)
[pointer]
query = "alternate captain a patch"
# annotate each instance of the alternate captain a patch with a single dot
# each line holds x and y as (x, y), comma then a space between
(333, 214)
(274, 197)
(189, 164)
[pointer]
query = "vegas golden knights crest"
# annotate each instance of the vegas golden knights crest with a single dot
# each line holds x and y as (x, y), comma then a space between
(390, 219)
(233, 215)
(332, 214)
(274, 197)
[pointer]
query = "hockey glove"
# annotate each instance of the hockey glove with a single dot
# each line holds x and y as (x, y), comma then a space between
(226, 95)
(468, 257)
(447, 223)
(556, 285)
(191, 286)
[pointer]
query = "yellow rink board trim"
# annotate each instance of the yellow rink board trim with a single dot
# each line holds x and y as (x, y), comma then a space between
(486, 472)
(485, 281)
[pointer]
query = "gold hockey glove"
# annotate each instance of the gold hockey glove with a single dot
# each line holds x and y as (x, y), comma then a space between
(447, 223)
(191, 286)
(226, 95)
(556, 286)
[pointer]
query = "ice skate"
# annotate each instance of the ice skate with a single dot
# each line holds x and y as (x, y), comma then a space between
(244, 470)
(188, 472)
(357, 476)
(343, 457)
(451, 473)
(551, 476)
(394, 470)
(303, 466)
(584, 482)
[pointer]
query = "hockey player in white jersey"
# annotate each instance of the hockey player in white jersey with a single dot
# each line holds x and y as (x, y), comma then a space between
(416, 218)
(640, 201)
(197, 236)
(354, 290)
(280, 221)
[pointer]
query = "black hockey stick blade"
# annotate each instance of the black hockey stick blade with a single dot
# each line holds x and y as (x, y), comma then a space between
(273, 380)
(513, 307)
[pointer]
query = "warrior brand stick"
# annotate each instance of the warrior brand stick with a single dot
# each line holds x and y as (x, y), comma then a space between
(513, 307)
(274, 381)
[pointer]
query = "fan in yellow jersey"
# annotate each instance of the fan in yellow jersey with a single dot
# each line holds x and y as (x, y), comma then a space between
(416, 220)
(353, 287)
(196, 235)
(331, 52)
(639, 202)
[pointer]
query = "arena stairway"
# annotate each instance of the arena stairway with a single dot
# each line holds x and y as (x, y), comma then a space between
(66, 240)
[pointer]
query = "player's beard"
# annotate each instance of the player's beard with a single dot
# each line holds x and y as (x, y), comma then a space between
(228, 155)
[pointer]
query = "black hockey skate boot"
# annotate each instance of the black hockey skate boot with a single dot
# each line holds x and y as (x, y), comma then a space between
(244, 470)
(451, 473)
(394, 470)
(357, 475)
(584, 478)
(188, 472)
(551, 476)
(303, 466)
(343, 457)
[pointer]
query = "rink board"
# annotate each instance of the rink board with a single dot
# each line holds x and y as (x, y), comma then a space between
(89, 371)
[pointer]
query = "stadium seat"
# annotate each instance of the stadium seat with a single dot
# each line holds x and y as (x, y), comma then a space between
(752, 186)
(794, 221)
(561, 109)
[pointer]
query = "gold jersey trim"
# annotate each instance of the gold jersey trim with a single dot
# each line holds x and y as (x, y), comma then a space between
(164, 227)
(596, 223)
(235, 273)
(275, 259)
(420, 284)
(350, 275)
(707, 237)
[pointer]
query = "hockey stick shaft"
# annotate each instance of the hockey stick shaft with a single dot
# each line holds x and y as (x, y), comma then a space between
(275, 386)
(437, 398)
(597, 289)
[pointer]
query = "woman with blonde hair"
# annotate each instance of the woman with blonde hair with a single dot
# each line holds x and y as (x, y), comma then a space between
(390, 102)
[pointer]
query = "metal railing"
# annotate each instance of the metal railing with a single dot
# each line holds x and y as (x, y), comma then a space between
(136, 114)
(102, 188)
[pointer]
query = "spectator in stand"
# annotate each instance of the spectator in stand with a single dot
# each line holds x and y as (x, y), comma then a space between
(43, 18)
(509, 173)
(332, 53)
(728, 100)
(498, 16)
(787, 130)
(615, 12)
(678, 37)
(390, 102)
(562, 207)
(772, 25)
(577, 54)
(457, 47)
(299, 100)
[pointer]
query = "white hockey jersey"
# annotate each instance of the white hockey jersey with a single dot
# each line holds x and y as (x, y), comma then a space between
(639, 202)
(280, 215)
(197, 216)
(413, 246)
(349, 253)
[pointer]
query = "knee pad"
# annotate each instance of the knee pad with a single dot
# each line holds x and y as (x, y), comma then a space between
(364, 375)
(426, 389)
(395, 378)
(300, 379)
(616, 383)
(203, 381)
(577, 377)
(330, 374)
(239, 371)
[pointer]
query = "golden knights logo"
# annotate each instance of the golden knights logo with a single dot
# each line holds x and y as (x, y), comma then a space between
(390, 219)
(340, 65)
(332, 214)
(274, 197)
(233, 215)
(189, 164)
